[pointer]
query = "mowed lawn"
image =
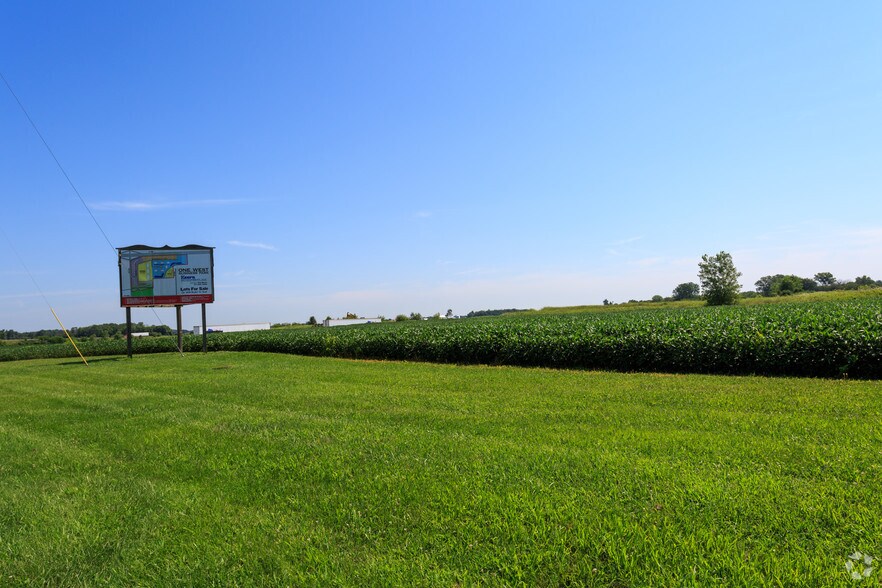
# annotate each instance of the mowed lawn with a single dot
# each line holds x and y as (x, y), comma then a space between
(254, 469)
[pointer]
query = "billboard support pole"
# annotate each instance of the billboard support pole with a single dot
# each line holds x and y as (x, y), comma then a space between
(204, 331)
(129, 331)
(180, 335)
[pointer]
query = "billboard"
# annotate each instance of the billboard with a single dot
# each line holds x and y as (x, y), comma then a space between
(166, 276)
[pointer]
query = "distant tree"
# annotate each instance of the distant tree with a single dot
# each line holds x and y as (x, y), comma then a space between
(115, 330)
(781, 285)
(825, 279)
(415, 316)
(719, 279)
(606, 302)
(765, 284)
(809, 285)
(449, 313)
(312, 321)
(864, 281)
(495, 312)
(657, 298)
(401, 317)
(437, 315)
(786, 285)
(686, 291)
(351, 315)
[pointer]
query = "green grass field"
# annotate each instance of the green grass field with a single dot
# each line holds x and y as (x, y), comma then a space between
(243, 469)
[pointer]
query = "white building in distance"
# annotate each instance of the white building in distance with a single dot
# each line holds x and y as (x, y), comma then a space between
(197, 329)
(329, 322)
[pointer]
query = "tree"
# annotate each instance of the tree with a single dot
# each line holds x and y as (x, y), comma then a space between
(781, 285)
(657, 298)
(865, 281)
(415, 316)
(312, 321)
(765, 284)
(809, 285)
(719, 279)
(686, 291)
(825, 279)
(449, 313)
(787, 285)
(494, 312)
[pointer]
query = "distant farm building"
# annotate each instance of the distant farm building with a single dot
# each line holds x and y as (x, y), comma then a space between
(329, 322)
(197, 329)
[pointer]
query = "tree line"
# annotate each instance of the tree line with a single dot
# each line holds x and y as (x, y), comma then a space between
(719, 285)
(97, 331)
(786, 285)
(494, 312)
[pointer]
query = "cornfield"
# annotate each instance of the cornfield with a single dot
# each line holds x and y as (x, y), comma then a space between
(821, 339)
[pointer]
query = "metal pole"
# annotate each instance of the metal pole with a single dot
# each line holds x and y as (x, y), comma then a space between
(204, 331)
(129, 331)
(180, 333)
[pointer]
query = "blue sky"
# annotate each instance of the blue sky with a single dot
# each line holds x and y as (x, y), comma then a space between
(386, 158)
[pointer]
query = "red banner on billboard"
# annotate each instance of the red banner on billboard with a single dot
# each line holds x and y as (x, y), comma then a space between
(165, 300)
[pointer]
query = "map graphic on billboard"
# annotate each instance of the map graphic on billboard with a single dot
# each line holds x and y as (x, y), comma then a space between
(166, 276)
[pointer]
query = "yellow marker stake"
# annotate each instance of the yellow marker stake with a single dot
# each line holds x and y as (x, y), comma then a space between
(69, 337)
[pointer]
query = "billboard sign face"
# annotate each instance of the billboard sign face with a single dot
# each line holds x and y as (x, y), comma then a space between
(166, 276)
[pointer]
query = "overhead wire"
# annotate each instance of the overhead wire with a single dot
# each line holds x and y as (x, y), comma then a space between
(82, 201)
(58, 163)
(42, 295)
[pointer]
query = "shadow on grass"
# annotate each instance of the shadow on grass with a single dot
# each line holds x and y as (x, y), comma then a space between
(92, 360)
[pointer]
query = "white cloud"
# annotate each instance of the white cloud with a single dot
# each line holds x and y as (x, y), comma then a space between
(245, 285)
(263, 246)
(870, 236)
(57, 293)
(146, 206)
(626, 241)
(647, 261)
(479, 271)
(845, 252)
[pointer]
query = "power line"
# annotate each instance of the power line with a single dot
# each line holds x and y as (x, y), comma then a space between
(73, 187)
(58, 163)
(43, 296)
(25, 267)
